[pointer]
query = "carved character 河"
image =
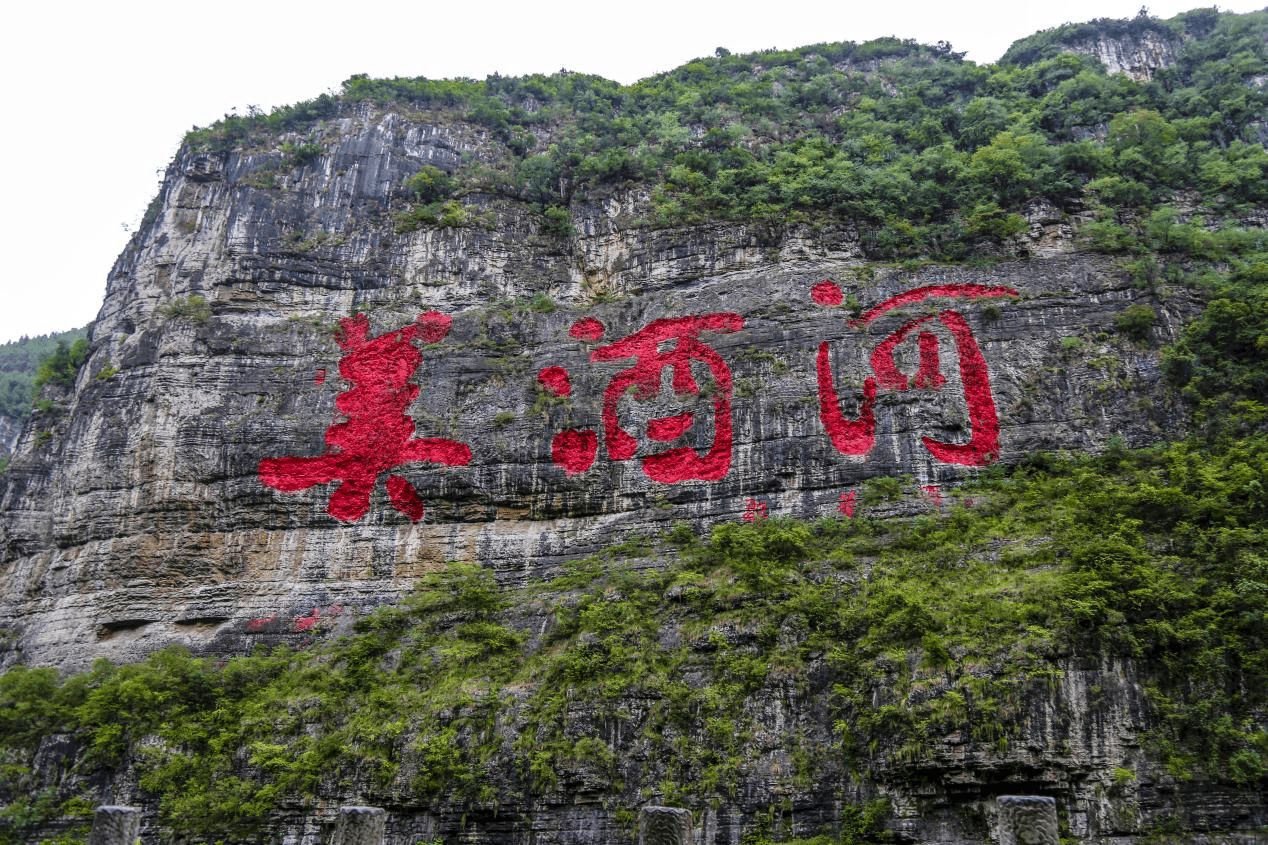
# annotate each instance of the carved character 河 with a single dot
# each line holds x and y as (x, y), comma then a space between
(856, 436)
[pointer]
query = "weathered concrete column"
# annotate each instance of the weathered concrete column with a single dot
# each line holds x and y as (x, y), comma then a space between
(1027, 820)
(115, 826)
(360, 826)
(664, 826)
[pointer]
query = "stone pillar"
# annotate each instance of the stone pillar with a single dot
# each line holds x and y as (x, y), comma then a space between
(664, 826)
(115, 826)
(1027, 820)
(360, 826)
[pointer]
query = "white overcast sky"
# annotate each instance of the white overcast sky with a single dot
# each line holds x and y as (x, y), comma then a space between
(98, 94)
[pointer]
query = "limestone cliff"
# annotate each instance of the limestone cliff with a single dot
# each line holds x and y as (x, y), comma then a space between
(10, 429)
(323, 376)
(142, 518)
(1137, 57)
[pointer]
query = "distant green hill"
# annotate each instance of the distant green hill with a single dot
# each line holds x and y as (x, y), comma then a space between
(20, 361)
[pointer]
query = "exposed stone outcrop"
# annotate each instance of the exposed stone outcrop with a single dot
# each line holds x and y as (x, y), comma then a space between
(143, 519)
(10, 430)
(1138, 55)
(573, 390)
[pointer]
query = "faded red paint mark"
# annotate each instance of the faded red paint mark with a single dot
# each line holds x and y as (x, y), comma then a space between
(856, 437)
(320, 378)
(305, 623)
(555, 381)
(827, 293)
(377, 434)
(920, 294)
(258, 624)
(587, 328)
(845, 504)
(754, 511)
(934, 492)
(673, 344)
(670, 428)
(574, 450)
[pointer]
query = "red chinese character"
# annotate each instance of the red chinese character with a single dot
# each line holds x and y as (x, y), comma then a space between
(666, 344)
(845, 504)
(307, 623)
(856, 436)
(934, 492)
(754, 511)
(377, 434)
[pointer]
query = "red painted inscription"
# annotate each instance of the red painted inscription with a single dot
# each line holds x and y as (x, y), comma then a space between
(669, 344)
(376, 434)
(856, 436)
(827, 293)
(672, 344)
(555, 381)
(587, 328)
(574, 450)
(754, 511)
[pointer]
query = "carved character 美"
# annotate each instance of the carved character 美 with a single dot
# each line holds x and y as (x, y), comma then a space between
(376, 434)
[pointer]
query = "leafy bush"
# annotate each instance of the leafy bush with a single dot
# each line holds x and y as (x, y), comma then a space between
(449, 213)
(429, 184)
(298, 155)
(1135, 321)
(62, 366)
(193, 308)
(557, 221)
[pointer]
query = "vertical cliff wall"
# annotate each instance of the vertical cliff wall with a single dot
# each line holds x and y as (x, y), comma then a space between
(590, 385)
(484, 400)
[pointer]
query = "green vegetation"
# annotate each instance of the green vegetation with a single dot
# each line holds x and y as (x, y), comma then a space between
(24, 362)
(446, 214)
(61, 367)
(906, 632)
(298, 155)
(931, 156)
(637, 669)
(429, 184)
(194, 307)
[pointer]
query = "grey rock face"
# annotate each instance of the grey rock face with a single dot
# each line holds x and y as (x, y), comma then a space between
(1027, 820)
(1137, 56)
(360, 826)
(664, 826)
(144, 518)
(114, 825)
(10, 429)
